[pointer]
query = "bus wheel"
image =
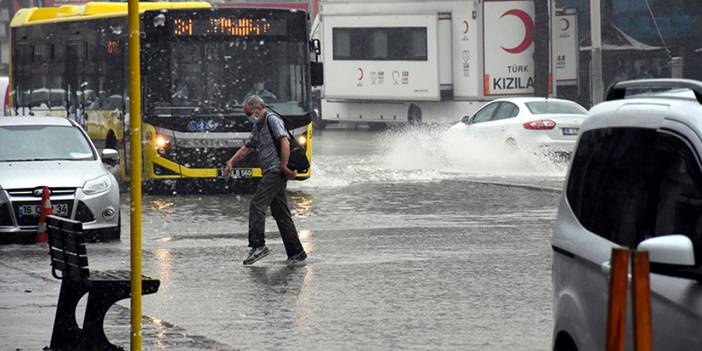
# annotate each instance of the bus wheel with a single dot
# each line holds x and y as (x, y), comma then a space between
(317, 118)
(111, 141)
(414, 115)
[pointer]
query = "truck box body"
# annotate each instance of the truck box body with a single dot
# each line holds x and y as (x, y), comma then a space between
(384, 61)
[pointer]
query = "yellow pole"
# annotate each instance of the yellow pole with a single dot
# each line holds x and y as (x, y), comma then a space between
(135, 174)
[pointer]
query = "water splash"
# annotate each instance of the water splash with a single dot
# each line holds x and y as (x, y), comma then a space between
(425, 154)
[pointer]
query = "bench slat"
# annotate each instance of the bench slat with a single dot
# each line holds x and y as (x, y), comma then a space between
(67, 248)
(78, 260)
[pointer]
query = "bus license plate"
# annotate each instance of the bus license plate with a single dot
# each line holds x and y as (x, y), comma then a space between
(570, 131)
(242, 173)
(34, 210)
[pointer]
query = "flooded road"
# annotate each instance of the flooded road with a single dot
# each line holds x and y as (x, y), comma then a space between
(412, 245)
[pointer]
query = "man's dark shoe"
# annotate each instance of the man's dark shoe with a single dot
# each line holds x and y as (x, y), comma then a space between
(297, 259)
(256, 254)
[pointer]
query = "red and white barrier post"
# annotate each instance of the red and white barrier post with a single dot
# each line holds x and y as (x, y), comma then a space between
(46, 210)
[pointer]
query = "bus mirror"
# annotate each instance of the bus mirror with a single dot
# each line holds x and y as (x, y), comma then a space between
(317, 73)
(315, 47)
(160, 20)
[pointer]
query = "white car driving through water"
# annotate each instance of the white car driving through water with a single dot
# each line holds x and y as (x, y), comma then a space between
(539, 125)
(54, 152)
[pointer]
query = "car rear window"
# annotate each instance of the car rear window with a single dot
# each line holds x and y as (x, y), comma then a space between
(545, 107)
(43, 143)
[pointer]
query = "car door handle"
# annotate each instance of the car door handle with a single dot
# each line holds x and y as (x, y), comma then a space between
(606, 268)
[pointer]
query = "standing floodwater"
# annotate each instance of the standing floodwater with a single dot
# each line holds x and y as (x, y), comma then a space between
(410, 247)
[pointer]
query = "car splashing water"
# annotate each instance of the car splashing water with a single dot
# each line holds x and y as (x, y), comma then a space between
(421, 154)
(436, 147)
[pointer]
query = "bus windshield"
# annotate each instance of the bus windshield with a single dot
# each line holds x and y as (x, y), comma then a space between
(214, 77)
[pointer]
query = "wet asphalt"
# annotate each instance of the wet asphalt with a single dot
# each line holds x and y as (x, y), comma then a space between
(415, 242)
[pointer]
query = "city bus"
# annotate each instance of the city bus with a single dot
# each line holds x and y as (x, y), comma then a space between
(198, 63)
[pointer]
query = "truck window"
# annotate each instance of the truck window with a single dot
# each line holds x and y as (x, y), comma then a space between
(380, 44)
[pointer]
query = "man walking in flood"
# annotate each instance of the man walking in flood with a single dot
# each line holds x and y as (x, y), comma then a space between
(268, 131)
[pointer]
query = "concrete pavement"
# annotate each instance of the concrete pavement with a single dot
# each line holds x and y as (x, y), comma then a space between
(28, 304)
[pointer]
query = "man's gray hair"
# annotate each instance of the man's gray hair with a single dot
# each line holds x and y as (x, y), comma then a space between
(254, 102)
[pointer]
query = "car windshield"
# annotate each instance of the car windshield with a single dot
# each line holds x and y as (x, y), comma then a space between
(43, 143)
(545, 107)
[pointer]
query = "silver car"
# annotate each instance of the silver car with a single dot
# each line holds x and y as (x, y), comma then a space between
(56, 153)
(635, 181)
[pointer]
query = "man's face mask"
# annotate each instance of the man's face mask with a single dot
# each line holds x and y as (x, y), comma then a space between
(251, 116)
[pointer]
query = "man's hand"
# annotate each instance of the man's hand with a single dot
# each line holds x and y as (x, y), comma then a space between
(228, 169)
(287, 172)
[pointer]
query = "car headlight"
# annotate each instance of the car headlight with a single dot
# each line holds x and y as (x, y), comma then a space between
(97, 185)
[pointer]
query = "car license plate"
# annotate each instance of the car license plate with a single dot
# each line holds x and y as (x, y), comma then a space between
(34, 210)
(240, 173)
(570, 131)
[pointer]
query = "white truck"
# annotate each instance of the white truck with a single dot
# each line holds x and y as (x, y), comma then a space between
(421, 61)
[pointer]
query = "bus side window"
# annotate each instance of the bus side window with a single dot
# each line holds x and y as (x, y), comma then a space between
(56, 81)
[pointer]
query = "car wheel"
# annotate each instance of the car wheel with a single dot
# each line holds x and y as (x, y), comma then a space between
(116, 233)
(378, 126)
(564, 343)
(106, 234)
(414, 115)
(511, 145)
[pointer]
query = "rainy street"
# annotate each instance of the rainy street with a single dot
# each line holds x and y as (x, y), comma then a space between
(415, 241)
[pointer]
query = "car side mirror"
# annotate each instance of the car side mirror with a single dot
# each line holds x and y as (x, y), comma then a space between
(670, 250)
(465, 119)
(110, 154)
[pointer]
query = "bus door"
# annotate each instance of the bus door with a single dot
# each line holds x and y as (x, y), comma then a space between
(76, 84)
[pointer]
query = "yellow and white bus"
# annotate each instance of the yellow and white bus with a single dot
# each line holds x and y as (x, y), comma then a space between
(198, 64)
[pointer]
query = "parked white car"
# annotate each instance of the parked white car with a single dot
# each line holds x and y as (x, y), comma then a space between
(57, 153)
(540, 125)
(635, 181)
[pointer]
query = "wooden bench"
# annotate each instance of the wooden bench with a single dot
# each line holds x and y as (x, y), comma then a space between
(69, 256)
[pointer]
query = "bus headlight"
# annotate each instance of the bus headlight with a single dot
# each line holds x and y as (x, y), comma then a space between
(302, 140)
(162, 143)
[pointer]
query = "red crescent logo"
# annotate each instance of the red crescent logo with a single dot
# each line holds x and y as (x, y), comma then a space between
(360, 73)
(528, 31)
(565, 24)
(465, 27)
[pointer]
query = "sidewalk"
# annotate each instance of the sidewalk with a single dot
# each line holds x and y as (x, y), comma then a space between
(28, 304)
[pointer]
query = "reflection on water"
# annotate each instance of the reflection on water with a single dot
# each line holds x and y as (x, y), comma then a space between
(306, 237)
(303, 317)
(161, 204)
(276, 285)
(164, 266)
(279, 276)
(301, 204)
